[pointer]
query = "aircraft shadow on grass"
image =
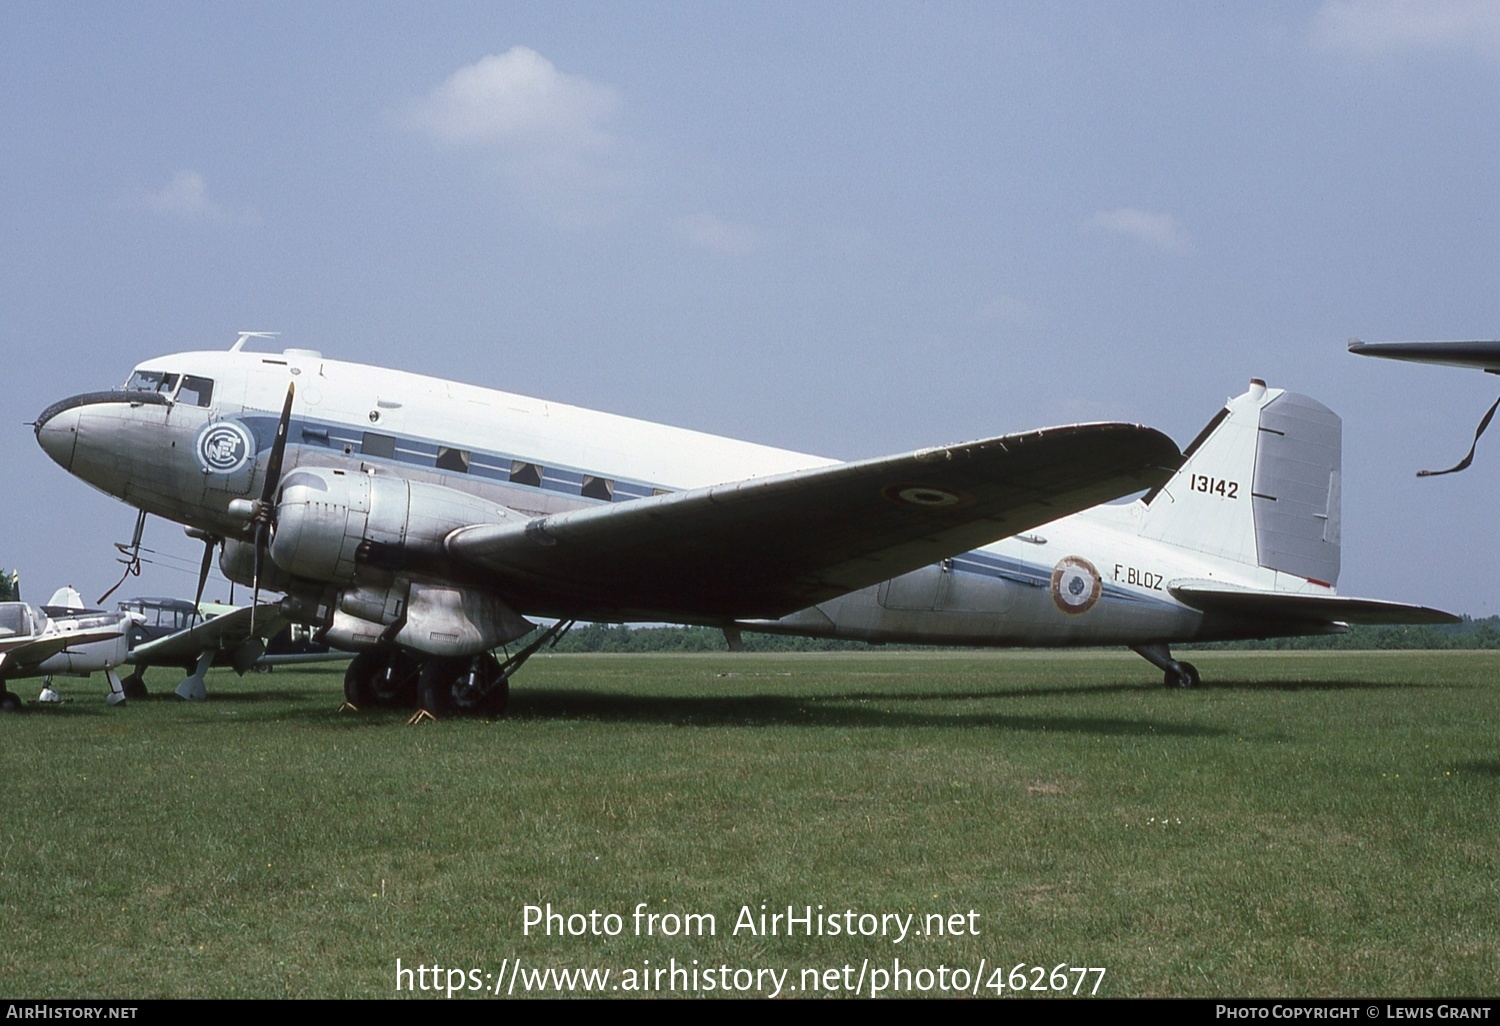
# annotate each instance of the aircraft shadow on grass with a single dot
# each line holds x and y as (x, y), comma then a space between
(865, 708)
(845, 710)
(1313, 685)
(1487, 767)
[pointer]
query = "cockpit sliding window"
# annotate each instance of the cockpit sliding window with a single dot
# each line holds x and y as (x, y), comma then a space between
(196, 391)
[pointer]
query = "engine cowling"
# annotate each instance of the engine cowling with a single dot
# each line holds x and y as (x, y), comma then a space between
(329, 521)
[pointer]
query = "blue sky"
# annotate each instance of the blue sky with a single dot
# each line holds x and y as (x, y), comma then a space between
(848, 229)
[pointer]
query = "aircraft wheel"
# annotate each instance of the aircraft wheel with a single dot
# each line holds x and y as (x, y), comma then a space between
(359, 678)
(395, 680)
(462, 686)
(1186, 676)
(134, 685)
(496, 702)
(10, 701)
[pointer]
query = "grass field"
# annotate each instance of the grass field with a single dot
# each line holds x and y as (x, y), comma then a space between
(1305, 824)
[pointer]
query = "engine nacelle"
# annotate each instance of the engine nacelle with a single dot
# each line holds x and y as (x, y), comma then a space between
(237, 561)
(329, 520)
(437, 619)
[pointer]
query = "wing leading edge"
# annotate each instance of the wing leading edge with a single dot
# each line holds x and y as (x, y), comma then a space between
(765, 547)
(1481, 355)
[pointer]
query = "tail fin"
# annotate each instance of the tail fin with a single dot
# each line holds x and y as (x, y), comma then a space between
(1258, 486)
(66, 599)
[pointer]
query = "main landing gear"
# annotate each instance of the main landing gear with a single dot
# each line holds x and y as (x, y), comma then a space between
(442, 686)
(1175, 674)
(382, 679)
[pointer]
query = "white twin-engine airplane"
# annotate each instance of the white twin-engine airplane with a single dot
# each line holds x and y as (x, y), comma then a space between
(417, 522)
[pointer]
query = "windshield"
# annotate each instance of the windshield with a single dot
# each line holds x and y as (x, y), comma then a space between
(152, 381)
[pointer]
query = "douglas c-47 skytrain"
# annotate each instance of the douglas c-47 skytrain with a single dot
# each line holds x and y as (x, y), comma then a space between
(419, 522)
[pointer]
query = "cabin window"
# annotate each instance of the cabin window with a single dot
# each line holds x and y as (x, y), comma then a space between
(526, 474)
(456, 460)
(196, 391)
(383, 446)
(598, 488)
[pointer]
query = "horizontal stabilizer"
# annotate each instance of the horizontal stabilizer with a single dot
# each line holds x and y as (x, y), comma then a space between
(1214, 597)
(768, 546)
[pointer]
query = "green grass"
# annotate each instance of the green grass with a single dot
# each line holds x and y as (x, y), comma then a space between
(1306, 824)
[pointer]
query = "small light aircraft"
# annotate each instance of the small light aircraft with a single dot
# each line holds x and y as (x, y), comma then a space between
(196, 636)
(61, 637)
(418, 522)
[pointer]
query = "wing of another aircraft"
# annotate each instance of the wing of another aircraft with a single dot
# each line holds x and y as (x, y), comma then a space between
(767, 546)
(225, 632)
(1213, 596)
(34, 650)
(1480, 355)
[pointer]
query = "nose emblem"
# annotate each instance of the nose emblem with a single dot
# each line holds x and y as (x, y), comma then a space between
(224, 447)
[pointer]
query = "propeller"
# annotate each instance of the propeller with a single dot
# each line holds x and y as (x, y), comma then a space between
(209, 541)
(264, 516)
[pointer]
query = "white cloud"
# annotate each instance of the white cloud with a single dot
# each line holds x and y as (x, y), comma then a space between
(185, 196)
(1375, 28)
(716, 234)
(1160, 231)
(517, 98)
(549, 130)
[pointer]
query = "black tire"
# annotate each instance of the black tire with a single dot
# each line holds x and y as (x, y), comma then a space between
(446, 688)
(10, 701)
(498, 700)
(395, 680)
(359, 680)
(134, 685)
(1185, 676)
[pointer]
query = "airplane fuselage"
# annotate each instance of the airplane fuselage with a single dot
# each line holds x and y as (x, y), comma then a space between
(190, 435)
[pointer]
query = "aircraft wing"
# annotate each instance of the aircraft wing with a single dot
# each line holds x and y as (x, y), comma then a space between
(221, 633)
(1481, 355)
(32, 651)
(1215, 597)
(768, 546)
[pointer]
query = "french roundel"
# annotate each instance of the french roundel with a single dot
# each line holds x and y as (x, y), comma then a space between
(1075, 585)
(224, 447)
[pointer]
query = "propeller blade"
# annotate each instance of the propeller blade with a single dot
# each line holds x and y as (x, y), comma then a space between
(260, 548)
(266, 512)
(278, 449)
(208, 559)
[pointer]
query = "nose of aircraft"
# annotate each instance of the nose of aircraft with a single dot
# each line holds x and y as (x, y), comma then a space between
(57, 431)
(58, 425)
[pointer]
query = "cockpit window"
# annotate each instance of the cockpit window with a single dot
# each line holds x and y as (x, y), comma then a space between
(15, 620)
(196, 391)
(151, 381)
